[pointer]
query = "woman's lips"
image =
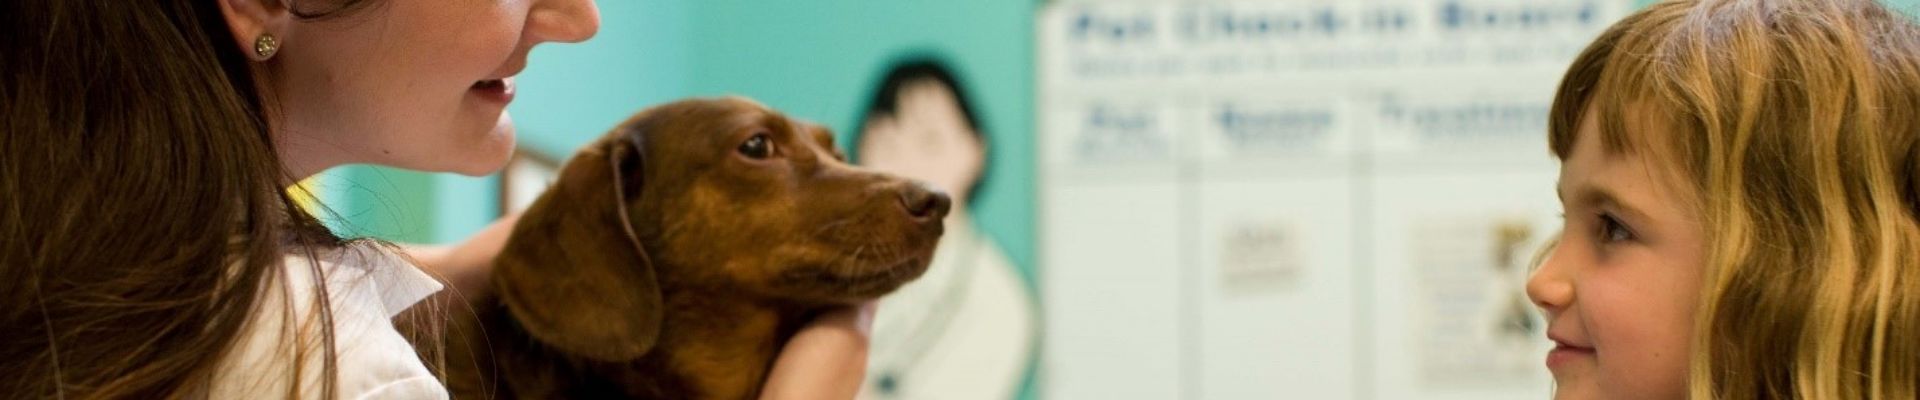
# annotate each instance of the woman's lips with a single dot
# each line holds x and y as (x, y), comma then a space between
(495, 90)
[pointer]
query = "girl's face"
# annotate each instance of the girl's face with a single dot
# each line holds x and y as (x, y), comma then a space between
(926, 139)
(1620, 289)
(416, 84)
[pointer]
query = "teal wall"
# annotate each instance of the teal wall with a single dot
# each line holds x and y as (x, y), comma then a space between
(573, 93)
(819, 60)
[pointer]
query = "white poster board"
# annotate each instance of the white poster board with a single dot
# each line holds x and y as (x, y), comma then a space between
(1311, 199)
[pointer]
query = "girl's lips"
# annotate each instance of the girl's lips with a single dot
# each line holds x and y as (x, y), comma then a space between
(1563, 353)
(494, 90)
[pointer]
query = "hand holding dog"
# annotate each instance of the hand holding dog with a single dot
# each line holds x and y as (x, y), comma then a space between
(826, 360)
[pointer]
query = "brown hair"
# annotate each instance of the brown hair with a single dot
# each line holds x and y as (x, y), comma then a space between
(142, 205)
(1798, 124)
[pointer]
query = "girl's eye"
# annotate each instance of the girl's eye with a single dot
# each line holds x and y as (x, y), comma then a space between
(1612, 231)
(757, 147)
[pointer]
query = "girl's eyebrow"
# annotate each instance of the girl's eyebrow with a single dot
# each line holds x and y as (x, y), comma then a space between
(1600, 196)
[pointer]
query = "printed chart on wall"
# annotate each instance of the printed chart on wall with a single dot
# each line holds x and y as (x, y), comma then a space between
(1298, 199)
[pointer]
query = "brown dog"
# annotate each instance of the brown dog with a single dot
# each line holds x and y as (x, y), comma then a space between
(677, 253)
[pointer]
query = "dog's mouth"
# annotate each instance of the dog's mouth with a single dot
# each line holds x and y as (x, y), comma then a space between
(860, 284)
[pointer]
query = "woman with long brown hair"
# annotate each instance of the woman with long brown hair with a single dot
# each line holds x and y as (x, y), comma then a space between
(1739, 181)
(148, 247)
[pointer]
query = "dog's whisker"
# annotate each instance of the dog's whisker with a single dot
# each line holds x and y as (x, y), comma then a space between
(836, 224)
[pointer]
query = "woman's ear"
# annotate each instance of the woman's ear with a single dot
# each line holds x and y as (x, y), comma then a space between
(250, 19)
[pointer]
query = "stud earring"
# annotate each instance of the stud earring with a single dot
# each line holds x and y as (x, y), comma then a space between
(265, 46)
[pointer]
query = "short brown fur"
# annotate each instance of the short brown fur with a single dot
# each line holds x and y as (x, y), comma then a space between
(667, 263)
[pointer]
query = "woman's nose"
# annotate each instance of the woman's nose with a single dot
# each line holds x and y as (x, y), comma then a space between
(562, 21)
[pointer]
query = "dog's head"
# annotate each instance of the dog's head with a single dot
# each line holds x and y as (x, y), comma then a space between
(718, 194)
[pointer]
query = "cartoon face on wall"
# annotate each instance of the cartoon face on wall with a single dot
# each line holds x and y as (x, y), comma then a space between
(920, 125)
(967, 328)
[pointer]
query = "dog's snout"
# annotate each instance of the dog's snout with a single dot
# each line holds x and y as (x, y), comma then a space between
(925, 203)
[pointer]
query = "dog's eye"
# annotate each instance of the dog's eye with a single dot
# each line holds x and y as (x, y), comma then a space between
(757, 147)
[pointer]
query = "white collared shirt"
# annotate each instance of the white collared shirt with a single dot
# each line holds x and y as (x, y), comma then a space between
(367, 286)
(964, 330)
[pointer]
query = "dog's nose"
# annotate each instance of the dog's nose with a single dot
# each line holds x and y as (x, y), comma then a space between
(925, 203)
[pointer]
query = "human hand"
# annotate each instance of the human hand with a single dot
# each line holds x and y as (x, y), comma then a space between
(827, 359)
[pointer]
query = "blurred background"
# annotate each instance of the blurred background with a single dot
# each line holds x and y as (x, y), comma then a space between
(1163, 199)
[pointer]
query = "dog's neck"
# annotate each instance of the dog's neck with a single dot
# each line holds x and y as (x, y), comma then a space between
(719, 346)
(712, 346)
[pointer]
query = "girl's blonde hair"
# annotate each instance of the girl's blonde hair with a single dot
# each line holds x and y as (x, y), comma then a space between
(1795, 123)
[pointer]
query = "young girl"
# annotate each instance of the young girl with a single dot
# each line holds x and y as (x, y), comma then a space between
(148, 248)
(1739, 186)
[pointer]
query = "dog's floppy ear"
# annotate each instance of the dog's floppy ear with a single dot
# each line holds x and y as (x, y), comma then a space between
(575, 275)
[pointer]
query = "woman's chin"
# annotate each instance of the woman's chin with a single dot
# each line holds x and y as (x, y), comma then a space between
(494, 153)
(488, 165)
(475, 162)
